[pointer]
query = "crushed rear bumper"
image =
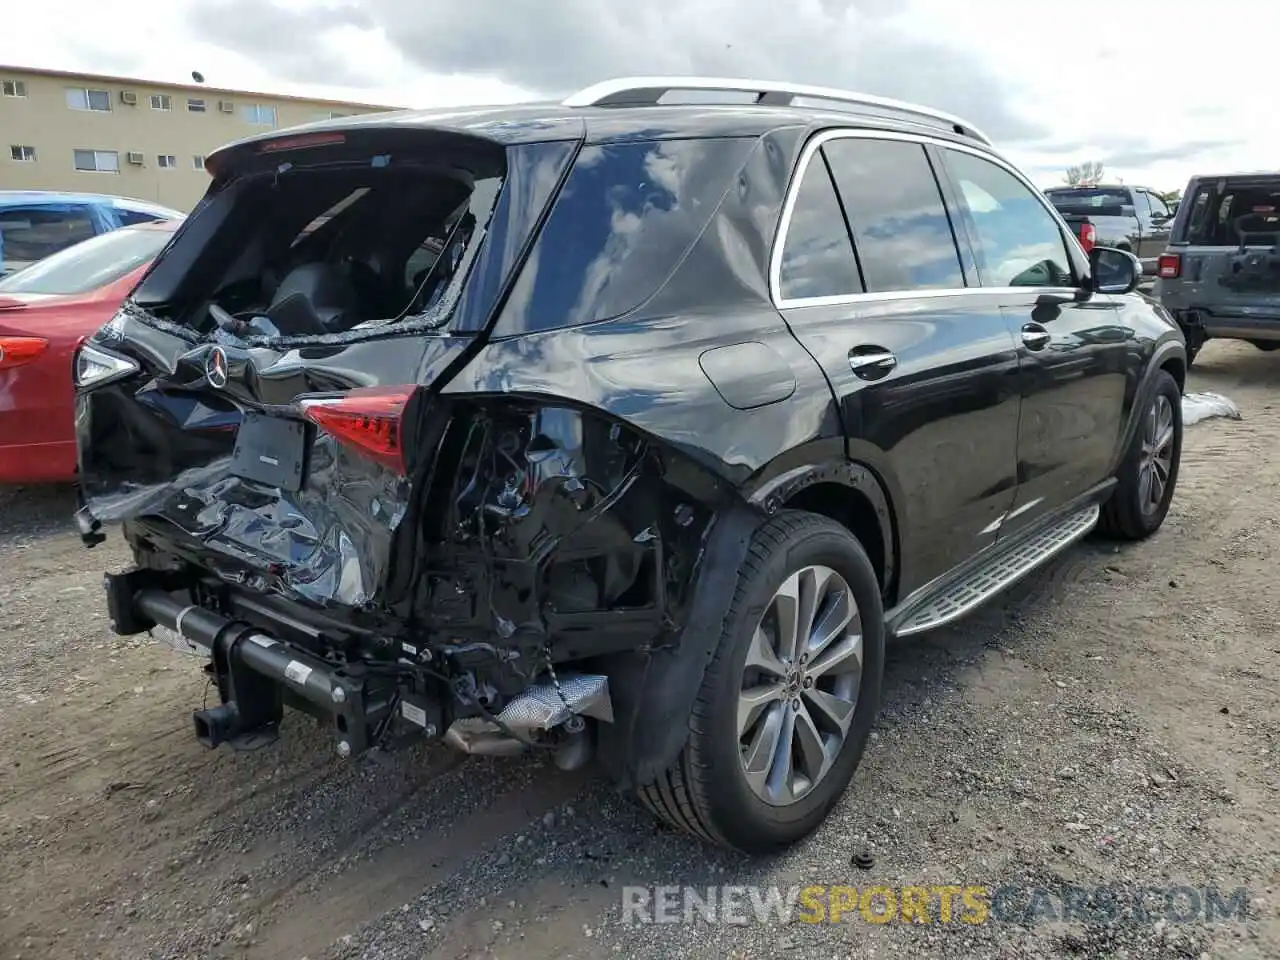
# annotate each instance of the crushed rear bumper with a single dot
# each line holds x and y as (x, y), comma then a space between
(257, 674)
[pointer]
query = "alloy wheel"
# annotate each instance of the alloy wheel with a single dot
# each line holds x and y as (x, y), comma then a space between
(800, 685)
(1156, 462)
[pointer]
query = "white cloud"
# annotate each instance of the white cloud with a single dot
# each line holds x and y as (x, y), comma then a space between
(1127, 84)
(154, 40)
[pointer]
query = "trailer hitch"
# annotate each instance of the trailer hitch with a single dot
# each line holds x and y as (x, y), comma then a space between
(256, 674)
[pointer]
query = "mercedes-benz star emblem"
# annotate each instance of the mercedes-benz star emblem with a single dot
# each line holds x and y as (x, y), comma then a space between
(215, 368)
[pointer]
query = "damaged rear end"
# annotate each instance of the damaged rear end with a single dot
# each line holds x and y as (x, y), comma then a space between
(310, 512)
(262, 417)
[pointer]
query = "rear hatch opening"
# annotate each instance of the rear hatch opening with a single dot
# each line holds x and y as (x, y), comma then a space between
(247, 402)
(327, 237)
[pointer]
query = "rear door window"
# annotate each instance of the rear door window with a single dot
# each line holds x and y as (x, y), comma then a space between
(817, 252)
(1018, 242)
(901, 232)
(33, 233)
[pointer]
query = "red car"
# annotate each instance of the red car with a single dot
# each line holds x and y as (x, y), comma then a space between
(45, 310)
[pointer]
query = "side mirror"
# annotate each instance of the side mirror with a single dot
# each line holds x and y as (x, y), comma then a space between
(1114, 271)
(1160, 219)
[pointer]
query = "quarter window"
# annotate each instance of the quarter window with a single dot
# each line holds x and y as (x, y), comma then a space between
(1018, 243)
(900, 226)
(817, 254)
(33, 233)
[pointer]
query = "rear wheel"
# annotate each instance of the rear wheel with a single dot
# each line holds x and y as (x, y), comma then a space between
(1149, 471)
(788, 699)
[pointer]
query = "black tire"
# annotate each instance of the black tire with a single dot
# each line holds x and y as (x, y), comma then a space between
(706, 792)
(1123, 516)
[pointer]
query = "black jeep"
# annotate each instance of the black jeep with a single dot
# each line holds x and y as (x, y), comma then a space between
(615, 427)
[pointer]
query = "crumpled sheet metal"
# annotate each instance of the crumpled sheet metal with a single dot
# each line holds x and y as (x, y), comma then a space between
(1202, 406)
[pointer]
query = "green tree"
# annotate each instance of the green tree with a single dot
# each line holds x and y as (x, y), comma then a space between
(1087, 174)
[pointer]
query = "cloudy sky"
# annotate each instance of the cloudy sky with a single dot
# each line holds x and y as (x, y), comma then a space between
(1154, 91)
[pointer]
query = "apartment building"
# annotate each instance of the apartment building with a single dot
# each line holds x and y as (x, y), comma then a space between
(131, 137)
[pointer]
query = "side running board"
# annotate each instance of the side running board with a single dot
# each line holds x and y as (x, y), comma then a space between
(1002, 570)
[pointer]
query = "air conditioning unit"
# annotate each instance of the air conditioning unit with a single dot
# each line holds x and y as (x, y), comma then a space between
(226, 106)
(134, 158)
(129, 98)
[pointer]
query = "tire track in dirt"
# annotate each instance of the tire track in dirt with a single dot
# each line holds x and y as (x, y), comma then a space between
(398, 873)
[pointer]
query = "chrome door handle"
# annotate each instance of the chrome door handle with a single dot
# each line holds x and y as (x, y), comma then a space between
(872, 365)
(1035, 336)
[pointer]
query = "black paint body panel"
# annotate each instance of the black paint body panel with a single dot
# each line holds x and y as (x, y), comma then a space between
(599, 428)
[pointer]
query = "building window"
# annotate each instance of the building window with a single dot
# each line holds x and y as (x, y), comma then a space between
(13, 88)
(22, 154)
(197, 162)
(97, 161)
(98, 101)
(259, 115)
(195, 105)
(329, 115)
(161, 101)
(166, 161)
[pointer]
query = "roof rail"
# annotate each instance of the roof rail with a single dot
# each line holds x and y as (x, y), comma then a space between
(648, 91)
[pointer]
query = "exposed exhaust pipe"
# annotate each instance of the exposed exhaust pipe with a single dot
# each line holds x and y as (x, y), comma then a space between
(560, 706)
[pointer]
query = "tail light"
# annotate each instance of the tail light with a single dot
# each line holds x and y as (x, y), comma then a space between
(370, 419)
(1169, 266)
(15, 351)
(1088, 236)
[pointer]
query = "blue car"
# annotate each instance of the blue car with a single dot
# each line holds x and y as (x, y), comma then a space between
(34, 224)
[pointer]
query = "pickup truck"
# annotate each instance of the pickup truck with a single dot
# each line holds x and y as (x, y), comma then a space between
(1220, 275)
(1135, 219)
(1083, 229)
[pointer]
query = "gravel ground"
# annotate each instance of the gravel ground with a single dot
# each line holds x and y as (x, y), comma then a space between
(1113, 721)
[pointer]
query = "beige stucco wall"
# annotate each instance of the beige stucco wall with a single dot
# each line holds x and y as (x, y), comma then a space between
(43, 120)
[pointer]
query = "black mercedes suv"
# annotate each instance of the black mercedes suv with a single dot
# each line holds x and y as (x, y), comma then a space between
(628, 427)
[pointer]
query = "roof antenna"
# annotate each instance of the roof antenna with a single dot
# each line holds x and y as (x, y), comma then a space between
(197, 76)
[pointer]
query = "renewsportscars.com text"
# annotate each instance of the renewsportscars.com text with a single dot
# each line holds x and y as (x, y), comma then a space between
(939, 903)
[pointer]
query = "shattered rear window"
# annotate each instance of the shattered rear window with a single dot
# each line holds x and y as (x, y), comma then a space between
(329, 214)
(329, 248)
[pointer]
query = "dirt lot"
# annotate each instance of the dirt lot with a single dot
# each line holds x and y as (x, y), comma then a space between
(1114, 720)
